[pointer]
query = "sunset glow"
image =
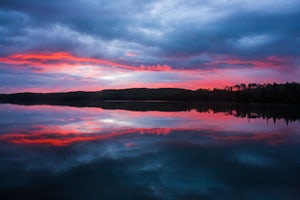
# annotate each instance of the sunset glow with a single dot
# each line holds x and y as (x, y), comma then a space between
(149, 99)
(146, 45)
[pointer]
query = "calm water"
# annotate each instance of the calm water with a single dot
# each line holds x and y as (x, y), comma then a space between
(61, 152)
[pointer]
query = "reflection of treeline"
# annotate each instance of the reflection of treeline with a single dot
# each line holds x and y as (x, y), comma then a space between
(287, 112)
(266, 111)
(251, 93)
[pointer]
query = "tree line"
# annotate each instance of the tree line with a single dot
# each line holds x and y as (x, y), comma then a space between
(288, 93)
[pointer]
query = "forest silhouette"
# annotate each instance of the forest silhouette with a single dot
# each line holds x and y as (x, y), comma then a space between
(267, 101)
(288, 93)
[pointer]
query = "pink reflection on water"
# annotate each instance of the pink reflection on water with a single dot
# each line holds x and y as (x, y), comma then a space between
(63, 126)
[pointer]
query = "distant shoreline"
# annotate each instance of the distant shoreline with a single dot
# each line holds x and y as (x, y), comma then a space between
(288, 93)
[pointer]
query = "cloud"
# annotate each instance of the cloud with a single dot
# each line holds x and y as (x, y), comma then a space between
(275, 62)
(151, 36)
(131, 54)
(65, 59)
(172, 27)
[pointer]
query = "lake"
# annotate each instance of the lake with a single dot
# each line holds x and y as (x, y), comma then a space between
(149, 151)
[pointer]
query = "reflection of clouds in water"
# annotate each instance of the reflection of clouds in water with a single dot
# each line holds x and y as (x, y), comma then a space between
(164, 166)
(61, 158)
(122, 147)
(255, 159)
(17, 119)
(151, 155)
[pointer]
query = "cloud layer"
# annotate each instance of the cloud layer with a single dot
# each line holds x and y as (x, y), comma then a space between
(200, 36)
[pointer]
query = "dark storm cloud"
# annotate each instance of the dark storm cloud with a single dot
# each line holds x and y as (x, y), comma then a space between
(239, 34)
(157, 31)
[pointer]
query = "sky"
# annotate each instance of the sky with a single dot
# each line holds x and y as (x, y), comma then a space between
(71, 45)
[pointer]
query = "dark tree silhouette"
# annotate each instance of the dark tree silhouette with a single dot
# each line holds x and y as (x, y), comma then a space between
(288, 93)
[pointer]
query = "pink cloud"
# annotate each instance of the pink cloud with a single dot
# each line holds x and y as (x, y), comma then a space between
(131, 54)
(63, 59)
(75, 73)
(273, 61)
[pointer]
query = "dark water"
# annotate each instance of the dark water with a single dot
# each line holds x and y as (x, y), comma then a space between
(61, 152)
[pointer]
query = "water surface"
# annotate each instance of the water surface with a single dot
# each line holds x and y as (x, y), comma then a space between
(62, 152)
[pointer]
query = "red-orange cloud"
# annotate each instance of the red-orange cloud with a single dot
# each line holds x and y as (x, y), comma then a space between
(65, 58)
(268, 62)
